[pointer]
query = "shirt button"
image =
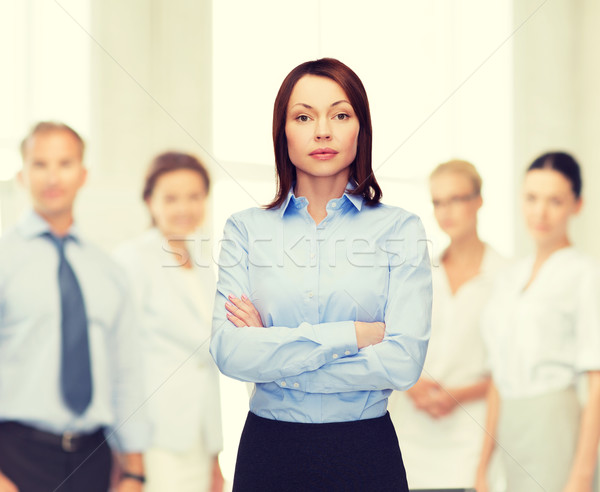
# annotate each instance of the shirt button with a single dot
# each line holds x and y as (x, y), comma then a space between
(347, 352)
(296, 385)
(334, 204)
(283, 383)
(310, 294)
(335, 356)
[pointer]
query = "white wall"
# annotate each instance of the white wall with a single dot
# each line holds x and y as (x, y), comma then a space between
(438, 76)
(151, 92)
(557, 102)
(46, 75)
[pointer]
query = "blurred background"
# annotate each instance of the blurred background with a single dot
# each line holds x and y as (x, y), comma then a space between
(495, 82)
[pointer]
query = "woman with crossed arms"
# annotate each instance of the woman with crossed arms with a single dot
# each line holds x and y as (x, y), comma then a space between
(323, 300)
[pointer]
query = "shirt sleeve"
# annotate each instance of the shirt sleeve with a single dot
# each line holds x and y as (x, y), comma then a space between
(587, 324)
(396, 362)
(131, 428)
(263, 355)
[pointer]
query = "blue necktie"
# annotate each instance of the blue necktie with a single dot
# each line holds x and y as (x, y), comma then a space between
(75, 371)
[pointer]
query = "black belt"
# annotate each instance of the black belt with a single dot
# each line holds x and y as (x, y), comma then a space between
(70, 442)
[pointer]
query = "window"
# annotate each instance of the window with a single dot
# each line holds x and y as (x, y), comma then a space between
(48, 78)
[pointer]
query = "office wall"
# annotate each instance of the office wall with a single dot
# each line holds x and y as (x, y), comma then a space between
(151, 92)
(556, 100)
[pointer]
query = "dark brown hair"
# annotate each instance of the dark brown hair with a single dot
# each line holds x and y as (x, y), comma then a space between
(361, 170)
(563, 163)
(169, 162)
(49, 127)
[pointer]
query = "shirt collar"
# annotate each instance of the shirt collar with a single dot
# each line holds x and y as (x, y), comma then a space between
(299, 202)
(34, 225)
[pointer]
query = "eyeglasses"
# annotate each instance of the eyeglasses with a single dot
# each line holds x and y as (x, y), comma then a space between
(454, 200)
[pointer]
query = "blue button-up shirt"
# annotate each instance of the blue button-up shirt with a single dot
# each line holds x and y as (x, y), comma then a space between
(310, 283)
(30, 337)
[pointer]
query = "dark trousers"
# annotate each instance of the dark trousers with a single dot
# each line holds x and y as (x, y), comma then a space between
(360, 456)
(36, 462)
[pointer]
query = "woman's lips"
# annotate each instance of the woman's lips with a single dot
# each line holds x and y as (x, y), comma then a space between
(323, 154)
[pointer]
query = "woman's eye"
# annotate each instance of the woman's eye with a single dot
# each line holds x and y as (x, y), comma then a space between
(342, 116)
(302, 118)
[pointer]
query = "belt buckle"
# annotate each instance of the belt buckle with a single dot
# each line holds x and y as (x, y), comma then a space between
(67, 442)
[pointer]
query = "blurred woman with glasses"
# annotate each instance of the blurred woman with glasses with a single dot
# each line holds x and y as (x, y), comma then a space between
(440, 420)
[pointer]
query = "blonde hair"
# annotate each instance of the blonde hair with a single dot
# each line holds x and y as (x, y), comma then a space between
(49, 127)
(459, 167)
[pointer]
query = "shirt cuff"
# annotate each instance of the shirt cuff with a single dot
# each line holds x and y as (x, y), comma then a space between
(130, 437)
(338, 339)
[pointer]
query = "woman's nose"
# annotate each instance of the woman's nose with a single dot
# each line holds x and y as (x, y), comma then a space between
(322, 131)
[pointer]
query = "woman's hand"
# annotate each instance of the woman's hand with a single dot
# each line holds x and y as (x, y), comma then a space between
(369, 333)
(6, 485)
(578, 485)
(242, 312)
(421, 392)
(430, 397)
(481, 482)
(217, 482)
(441, 403)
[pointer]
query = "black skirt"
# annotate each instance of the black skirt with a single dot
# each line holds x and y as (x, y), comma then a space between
(276, 456)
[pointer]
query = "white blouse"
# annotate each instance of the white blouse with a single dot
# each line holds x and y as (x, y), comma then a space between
(540, 337)
(444, 452)
(456, 353)
(174, 308)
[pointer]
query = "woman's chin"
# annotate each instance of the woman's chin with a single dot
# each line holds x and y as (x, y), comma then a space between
(179, 232)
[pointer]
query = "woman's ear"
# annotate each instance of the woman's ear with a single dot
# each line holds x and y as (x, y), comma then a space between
(479, 201)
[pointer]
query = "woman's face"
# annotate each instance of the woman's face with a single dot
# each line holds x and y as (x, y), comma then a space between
(321, 128)
(548, 203)
(178, 202)
(455, 204)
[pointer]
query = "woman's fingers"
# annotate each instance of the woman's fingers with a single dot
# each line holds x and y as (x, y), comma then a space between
(249, 305)
(237, 313)
(236, 321)
(241, 305)
(243, 310)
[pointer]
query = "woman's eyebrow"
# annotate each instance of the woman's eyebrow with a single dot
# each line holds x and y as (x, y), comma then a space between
(310, 107)
(340, 102)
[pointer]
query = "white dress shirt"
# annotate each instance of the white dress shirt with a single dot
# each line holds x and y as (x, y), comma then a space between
(541, 337)
(175, 310)
(444, 452)
(30, 337)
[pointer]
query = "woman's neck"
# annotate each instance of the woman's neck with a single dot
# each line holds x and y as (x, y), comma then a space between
(318, 192)
(178, 247)
(464, 249)
(462, 260)
(545, 250)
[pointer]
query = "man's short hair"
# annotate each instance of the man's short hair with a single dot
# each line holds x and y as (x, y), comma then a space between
(48, 127)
